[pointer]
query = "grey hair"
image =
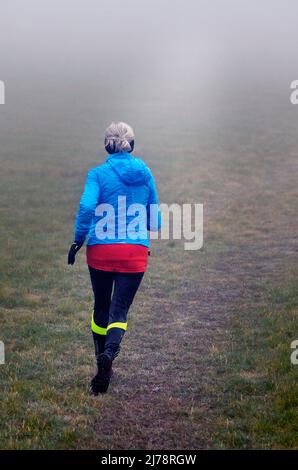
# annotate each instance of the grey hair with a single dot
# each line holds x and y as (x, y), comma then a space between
(120, 135)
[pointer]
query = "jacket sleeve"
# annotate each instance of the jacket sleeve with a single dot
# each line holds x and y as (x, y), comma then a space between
(153, 209)
(88, 203)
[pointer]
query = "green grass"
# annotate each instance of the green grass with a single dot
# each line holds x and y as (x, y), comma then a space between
(260, 397)
(168, 393)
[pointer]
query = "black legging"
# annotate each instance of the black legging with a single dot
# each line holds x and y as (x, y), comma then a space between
(109, 319)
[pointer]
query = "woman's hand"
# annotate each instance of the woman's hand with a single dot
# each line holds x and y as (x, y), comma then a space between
(73, 251)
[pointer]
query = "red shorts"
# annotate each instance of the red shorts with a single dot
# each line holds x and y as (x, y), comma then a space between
(118, 257)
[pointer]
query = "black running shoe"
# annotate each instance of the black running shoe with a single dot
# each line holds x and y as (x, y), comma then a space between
(100, 383)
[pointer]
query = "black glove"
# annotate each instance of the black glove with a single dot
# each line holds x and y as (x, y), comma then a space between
(73, 251)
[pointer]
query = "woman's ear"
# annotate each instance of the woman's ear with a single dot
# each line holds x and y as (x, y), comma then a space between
(132, 144)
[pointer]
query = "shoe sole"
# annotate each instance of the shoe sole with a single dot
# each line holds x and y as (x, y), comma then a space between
(103, 376)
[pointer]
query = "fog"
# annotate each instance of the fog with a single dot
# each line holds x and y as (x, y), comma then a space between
(159, 62)
(164, 41)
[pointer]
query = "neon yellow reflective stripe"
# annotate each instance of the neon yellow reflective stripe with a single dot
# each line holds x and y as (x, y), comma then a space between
(97, 329)
(117, 325)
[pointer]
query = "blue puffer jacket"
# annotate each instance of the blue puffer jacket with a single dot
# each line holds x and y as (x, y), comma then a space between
(109, 209)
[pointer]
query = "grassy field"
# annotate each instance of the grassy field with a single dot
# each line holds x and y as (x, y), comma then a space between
(211, 368)
(260, 400)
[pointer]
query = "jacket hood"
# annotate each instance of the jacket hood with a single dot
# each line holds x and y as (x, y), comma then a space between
(131, 170)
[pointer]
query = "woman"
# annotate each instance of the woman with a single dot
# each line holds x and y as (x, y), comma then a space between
(118, 207)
